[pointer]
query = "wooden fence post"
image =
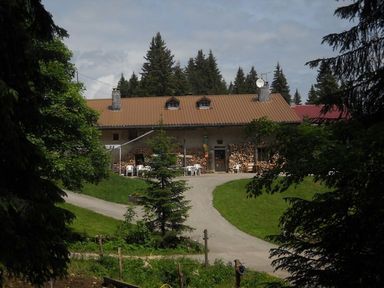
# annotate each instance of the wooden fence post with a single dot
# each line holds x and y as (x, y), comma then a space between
(181, 276)
(205, 248)
(120, 263)
(101, 251)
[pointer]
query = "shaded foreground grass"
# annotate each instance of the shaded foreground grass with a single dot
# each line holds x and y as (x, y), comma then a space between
(258, 216)
(90, 223)
(115, 188)
(155, 273)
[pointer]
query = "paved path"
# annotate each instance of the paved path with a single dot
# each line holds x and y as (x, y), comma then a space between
(225, 241)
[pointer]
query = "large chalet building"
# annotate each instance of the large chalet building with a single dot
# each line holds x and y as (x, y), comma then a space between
(209, 130)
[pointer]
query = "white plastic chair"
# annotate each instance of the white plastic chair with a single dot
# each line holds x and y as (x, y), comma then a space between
(236, 168)
(197, 169)
(129, 170)
(138, 169)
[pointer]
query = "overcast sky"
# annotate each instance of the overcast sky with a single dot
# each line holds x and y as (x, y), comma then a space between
(112, 37)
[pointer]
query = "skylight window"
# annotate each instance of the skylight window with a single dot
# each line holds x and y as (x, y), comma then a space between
(172, 104)
(204, 103)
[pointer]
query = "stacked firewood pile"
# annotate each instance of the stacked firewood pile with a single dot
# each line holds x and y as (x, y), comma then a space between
(243, 155)
(193, 156)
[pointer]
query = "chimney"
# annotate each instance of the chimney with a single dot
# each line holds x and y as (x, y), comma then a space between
(264, 93)
(116, 99)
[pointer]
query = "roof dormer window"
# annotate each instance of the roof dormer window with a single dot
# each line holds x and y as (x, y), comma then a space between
(172, 104)
(204, 103)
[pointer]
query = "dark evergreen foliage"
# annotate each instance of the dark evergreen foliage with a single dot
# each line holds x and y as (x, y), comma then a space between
(197, 74)
(216, 83)
(157, 71)
(337, 239)
(280, 84)
(42, 115)
(326, 87)
(239, 83)
(312, 96)
(204, 76)
(134, 86)
(297, 98)
(123, 86)
(250, 82)
(181, 83)
(360, 65)
(166, 209)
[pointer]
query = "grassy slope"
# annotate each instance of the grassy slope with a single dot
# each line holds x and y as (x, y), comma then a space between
(90, 222)
(257, 216)
(115, 189)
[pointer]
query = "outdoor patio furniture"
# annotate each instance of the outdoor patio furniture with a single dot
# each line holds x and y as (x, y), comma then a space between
(236, 168)
(139, 169)
(129, 169)
(198, 169)
(191, 170)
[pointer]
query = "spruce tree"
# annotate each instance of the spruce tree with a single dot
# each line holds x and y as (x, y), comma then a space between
(297, 98)
(336, 239)
(326, 87)
(180, 81)
(312, 96)
(166, 209)
(48, 135)
(239, 83)
(204, 76)
(280, 84)
(200, 82)
(192, 76)
(156, 75)
(230, 88)
(134, 86)
(123, 86)
(216, 83)
(250, 82)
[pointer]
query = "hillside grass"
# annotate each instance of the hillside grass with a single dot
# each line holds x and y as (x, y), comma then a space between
(258, 216)
(115, 188)
(90, 223)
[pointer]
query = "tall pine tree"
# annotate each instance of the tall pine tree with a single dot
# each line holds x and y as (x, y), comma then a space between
(280, 84)
(297, 98)
(166, 208)
(157, 71)
(204, 76)
(216, 83)
(123, 86)
(312, 96)
(239, 83)
(48, 135)
(336, 239)
(250, 82)
(180, 81)
(326, 87)
(134, 86)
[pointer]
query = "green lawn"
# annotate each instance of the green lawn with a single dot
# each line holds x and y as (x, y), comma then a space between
(91, 223)
(258, 216)
(115, 188)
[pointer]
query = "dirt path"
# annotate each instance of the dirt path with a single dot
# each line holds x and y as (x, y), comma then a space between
(225, 240)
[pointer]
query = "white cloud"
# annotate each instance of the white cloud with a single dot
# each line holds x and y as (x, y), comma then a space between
(111, 37)
(101, 88)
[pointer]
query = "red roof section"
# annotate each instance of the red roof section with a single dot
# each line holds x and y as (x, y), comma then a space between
(313, 112)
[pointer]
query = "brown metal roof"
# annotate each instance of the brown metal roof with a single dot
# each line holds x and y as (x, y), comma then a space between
(225, 110)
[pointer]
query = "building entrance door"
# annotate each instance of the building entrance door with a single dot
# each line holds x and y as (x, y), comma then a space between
(220, 160)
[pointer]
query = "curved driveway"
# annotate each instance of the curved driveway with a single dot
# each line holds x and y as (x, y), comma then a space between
(225, 240)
